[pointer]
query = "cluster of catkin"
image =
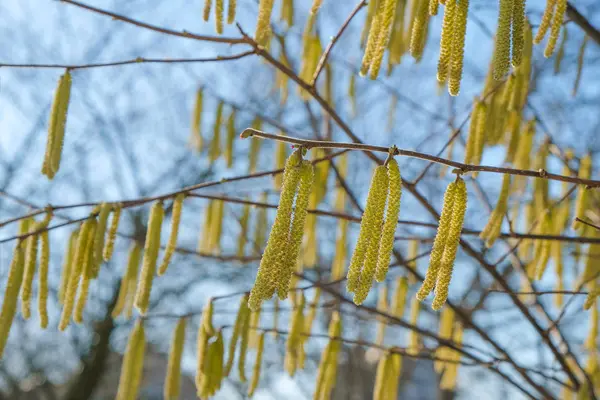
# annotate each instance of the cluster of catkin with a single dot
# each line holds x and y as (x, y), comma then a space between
(445, 245)
(452, 42)
(371, 256)
(219, 11)
(510, 37)
(552, 19)
(283, 246)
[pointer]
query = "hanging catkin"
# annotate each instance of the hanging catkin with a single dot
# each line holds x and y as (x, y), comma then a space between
(265, 9)
(56, 126)
(257, 364)
(287, 12)
(413, 345)
(215, 145)
(206, 11)
(492, 229)
(173, 377)
(219, 9)
(43, 276)
(370, 228)
(400, 295)
(280, 156)
(387, 10)
(458, 46)
(545, 21)
(448, 381)
(243, 235)
(581, 202)
(294, 340)
(109, 247)
(133, 364)
(271, 262)
(557, 21)
(196, 139)
(445, 333)
(374, 31)
(239, 327)
(230, 139)
(446, 41)
(580, 58)
(255, 145)
(231, 11)
(503, 41)
(67, 263)
(172, 243)
(129, 279)
(560, 55)
(391, 220)
(99, 238)
(11, 293)
(86, 274)
(518, 31)
(151, 247)
(31, 251)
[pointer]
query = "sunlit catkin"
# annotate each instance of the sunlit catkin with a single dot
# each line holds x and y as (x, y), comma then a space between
(518, 31)
(446, 41)
(374, 31)
(382, 375)
(580, 58)
(439, 243)
(243, 235)
(67, 264)
(458, 46)
(492, 229)
(265, 9)
(172, 243)
(219, 9)
(229, 140)
(560, 55)
(109, 246)
(370, 225)
(151, 247)
(132, 366)
(413, 345)
(294, 339)
(255, 145)
(557, 21)
(86, 273)
(452, 241)
(215, 145)
(231, 8)
(391, 220)
(287, 12)
(581, 202)
(206, 10)
(196, 139)
(433, 7)
(99, 238)
(43, 279)
(502, 47)
(545, 21)
(239, 326)
(173, 377)
(129, 278)
(11, 293)
(270, 262)
(257, 365)
(56, 126)
(280, 156)
(307, 175)
(31, 253)
(387, 18)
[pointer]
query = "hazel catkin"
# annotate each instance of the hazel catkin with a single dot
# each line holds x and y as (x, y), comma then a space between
(56, 126)
(172, 243)
(173, 377)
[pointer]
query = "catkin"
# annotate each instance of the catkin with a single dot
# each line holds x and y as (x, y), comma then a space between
(439, 243)
(132, 366)
(43, 276)
(518, 31)
(445, 333)
(391, 219)
(369, 226)
(433, 7)
(67, 264)
(11, 294)
(197, 140)
(374, 31)
(581, 202)
(339, 261)
(215, 145)
(238, 328)
(99, 238)
(206, 11)
(231, 8)
(451, 246)
(257, 364)
(265, 9)
(172, 243)
(545, 21)
(280, 156)
(242, 238)
(109, 246)
(129, 278)
(387, 17)
(56, 126)
(375, 209)
(412, 347)
(31, 251)
(151, 247)
(382, 376)
(244, 339)
(560, 55)
(399, 300)
(492, 229)
(294, 242)
(230, 139)
(271, 260)
(458, 46)
(173, 377)
(580, 58)
(287, 12)
(557, 21)
(446, 41)
(502, 48)
(219, 9)
(86, 273)
(293, 344)
(254, 153)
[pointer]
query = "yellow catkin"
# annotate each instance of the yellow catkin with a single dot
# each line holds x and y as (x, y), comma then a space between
(151, 247)
(581, 202)
(244, 339)
(254, 321)
(471, 137)
(31, 252)
(391, 220)
(129, 278)
(231, 8)
(230, 139)
(312, 313)
(446, 323)
(270, 262)
(173, 377)
(433, 7)
(377, 207)
(257, 364)
(560, 55)
(109, 246)
(280, 156)
(43, 276)
(352, 95)
(370, 226)
(382, 377)
(131, 368)
(592, 338)
(254, 153)
(287, 12)
(307, 175)
(216, 228)
(261, 224)
(446, 41)
(452, 241)
(580, 58)
(383, 38)
(215, 145)
(371, 12)
(242, 238)
(196, 139)
(481, 119)
(240, 324)
(219, 9)
(206, 10)
(265, 9)
(172, 243)
(67, 264)
(293, 343)
(99, 238)
(439, 243)
(339, 260)
(518, 31)
(397, 44)
(382, 305)
(11, 294)
(413, 338)
(394, 376)
(448, 381)
(374, 31)
(545, 21)
(458, 46)
(204, 244)
(557, 21)
(86, 273)
(399, 300)
(502, 48)
(491, 231)
(56, 126)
